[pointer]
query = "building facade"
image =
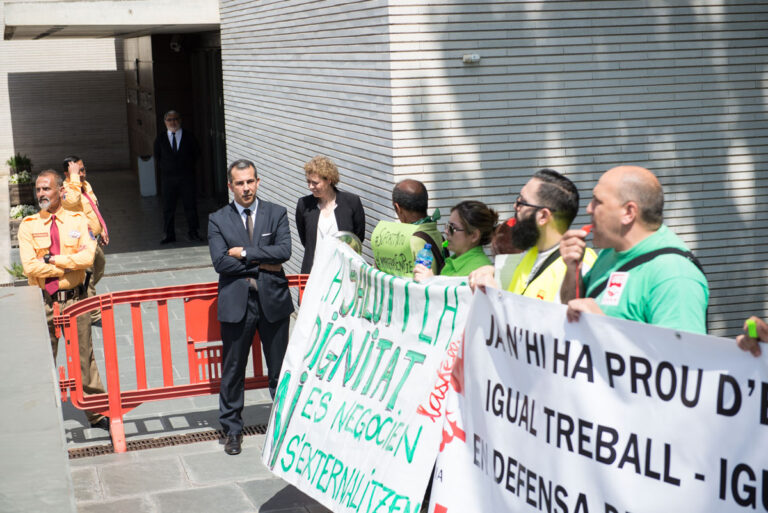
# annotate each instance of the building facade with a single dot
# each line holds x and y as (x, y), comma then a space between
(384, 88)
(471, 98)
(59, 97)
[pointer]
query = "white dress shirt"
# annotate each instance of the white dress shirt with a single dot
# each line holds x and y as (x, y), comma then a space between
(178, 138)
(241, 209)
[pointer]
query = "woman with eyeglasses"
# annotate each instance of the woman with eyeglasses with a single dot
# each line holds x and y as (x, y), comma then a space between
(469, 228)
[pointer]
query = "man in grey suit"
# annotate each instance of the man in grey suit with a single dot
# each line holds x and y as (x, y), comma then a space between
(249, 239)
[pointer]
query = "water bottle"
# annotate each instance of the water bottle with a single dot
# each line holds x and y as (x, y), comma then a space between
(424, 256)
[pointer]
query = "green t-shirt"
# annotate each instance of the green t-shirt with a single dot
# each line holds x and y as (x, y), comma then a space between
(395, 247)
(668, 291)
(466, 263)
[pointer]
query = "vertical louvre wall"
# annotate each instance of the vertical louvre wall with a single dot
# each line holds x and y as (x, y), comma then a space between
(675, 86)
(62, 97)
(678, 87)
(303, 78)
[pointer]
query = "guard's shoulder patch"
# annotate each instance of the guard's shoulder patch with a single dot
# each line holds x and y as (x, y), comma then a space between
(30, 218)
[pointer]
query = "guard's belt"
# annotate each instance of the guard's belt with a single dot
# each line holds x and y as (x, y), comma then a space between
(61, 296)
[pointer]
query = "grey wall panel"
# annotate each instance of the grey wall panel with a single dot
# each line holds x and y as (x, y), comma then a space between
(303, 78)
(675, 86)
(62, 97)
(582, 86)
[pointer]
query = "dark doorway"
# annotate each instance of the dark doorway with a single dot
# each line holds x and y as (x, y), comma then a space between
(187, 78)
(180, 72)
(206, 73)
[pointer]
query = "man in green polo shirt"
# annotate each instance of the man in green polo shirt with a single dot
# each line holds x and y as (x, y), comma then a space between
(645, 272)
(395, 244)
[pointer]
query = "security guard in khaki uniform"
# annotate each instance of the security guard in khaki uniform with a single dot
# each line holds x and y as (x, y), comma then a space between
(55, 249)
(78, 196)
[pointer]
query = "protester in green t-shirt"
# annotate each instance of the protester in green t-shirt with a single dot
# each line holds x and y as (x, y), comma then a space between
(396, 244)
(666, 289)
(469, 228)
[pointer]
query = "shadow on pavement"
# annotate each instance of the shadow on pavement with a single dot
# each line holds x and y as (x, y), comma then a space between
(141, 427)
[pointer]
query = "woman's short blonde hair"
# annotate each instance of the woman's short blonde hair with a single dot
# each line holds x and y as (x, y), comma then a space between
(323, 167)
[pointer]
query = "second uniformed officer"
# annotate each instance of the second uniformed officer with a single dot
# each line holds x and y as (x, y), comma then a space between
(78, 196)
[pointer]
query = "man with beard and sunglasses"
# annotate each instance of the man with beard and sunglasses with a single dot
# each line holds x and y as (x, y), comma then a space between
(544, 211)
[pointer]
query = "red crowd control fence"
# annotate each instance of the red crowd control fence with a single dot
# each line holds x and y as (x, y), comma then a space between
(203, 354)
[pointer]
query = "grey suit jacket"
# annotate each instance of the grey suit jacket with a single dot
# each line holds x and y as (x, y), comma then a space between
(271, 245)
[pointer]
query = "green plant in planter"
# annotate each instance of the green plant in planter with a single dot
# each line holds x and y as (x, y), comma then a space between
(19, 163)
(17, 271)
(20, 178)
(22, 211)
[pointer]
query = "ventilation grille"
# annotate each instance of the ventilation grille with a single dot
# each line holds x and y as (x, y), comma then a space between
(166, 441)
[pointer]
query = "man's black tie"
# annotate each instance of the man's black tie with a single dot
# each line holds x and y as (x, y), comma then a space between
(173, 142)
(248, 222)
(249, 226)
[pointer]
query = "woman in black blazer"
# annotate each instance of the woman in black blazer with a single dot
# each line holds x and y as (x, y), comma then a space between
(327, 210)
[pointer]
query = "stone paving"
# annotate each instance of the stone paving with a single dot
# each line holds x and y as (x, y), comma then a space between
(32, 445)
(197, 477)
(190, 478)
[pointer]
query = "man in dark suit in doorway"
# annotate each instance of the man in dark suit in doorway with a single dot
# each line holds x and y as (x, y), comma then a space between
(176, 152)
(249, 240)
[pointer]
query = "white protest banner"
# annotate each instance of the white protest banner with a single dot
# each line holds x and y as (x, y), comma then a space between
(601, 415)
(363, 355)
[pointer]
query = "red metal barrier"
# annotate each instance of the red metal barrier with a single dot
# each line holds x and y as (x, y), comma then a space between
(203, 341)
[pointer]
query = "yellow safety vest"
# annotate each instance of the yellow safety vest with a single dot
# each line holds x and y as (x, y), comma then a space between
(546, 285)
